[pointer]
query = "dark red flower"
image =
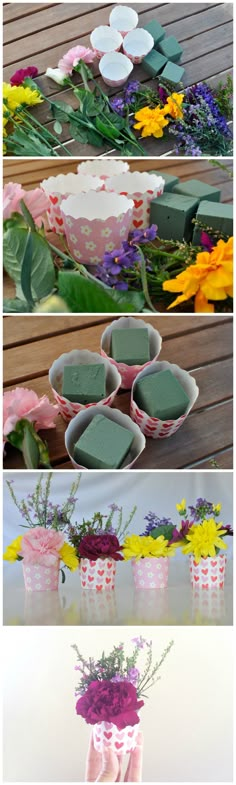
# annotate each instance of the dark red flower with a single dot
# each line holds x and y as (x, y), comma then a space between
(110, 701)
(98, 546)
(20, 75)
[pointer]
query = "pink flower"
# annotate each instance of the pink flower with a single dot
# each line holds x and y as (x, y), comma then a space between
(72, 57)
(41, 546)
(20, 75)
(110, 701)
(36, 201)
(23, 403)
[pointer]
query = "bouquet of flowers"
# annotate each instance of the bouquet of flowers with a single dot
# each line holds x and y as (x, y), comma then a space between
(110, 691)
(150, 552)
(202, 537)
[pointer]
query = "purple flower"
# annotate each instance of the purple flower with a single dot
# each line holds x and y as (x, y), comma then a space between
(140, 236)
(19, 76)
(139, 642)
(229, 529)
(163, 95)
(118, 105)
(114, 507)
(206, 242)
(133, 675)
(180, 534)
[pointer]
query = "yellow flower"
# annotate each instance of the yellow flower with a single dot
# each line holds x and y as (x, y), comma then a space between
(14, 97)
(204, 538)
(151, 121)
(209, 278)
(13, 550)
(68, 555)
(173, 105)
(217, 508)
(181, 507)
(136, 547)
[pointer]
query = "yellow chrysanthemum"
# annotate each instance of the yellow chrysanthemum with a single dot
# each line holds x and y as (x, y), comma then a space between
(209, 278)
(13, 550)
(217, 508)
(204, 538)
(68, 555)
(181, 507)
(136, 547)
(151, 121)
(173, 105)
(14, 96)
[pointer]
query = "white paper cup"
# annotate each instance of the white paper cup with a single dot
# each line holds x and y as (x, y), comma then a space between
(152, 426)
(107, 735)
(129, 372)
(58, 188)
(96, 223)
(105, 39)
(79, 423)
(123, 18)
(115, 68)
(103, 167)
(137, 44)
(142, 188)
(69, 409)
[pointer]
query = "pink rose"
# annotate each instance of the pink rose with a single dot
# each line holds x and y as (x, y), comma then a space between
(41, 546)
(72, 57)
(110, 701)
(36, 201)
(23, 403)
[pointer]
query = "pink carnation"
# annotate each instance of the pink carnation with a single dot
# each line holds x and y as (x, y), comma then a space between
(72, 57)
(36, 201)
(23, 403)
(41, 546)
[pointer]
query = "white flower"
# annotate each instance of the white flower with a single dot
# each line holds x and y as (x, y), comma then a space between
(106, 232)
(56, 75)
(69, 222)
(73, 238)
(85, 230)
(109, 247)
(90, 246)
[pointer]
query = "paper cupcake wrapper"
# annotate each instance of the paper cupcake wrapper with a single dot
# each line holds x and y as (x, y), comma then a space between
(209, 573)
(97, 575)
(142, 200)
(129, 372)
(40, 578)
(88, 240)
(54, 215)
(123, 17)
(72, 183)
(68, 409)
(106, 734)
(103, 167)
(150, 606)
(151, 573)
(82, 420)
(115, 69)
(104, 33)
(139, 40)
(98, 607)
(151, 426)
(43, 609)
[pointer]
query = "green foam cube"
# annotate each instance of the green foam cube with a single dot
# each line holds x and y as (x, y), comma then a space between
(103, 445)
(173, 73)
(154, 62)
(173, 215)
(215, 215)
(161, 395)
(130, 346)
(170, 179)
(156, 30)
(199, 190)
(171, 49)
(84, 383)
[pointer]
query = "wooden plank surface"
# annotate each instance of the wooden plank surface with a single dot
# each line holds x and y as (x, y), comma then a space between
(200, 344)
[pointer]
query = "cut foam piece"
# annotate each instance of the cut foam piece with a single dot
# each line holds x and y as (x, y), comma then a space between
(156, 30)
(173, 215)
(198, 189)
(215, 215)
(172, 73)
(171, 49)
(154, 62)
(170, 179)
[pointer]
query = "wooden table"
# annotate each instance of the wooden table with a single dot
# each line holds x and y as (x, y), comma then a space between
(40, 33)
(200, 344)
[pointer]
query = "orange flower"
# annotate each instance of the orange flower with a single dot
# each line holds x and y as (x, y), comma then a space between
(151, 121)
(210, 278)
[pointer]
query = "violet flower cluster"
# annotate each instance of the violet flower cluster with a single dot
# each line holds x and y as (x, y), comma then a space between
(118, 262)
(120, 105)
(203, 129)
(153, 522)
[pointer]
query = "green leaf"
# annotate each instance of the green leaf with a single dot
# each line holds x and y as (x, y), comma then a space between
(27, 215)
(22, 442)
(15, 306)
(85, 296)
(78, 133)
(166, 530)
(30, 450)
(110, 132)
(61, 111)
(26, 143)
(26, 272)
(94, 138)
(42, 269)
(57, 127)
(63, 577)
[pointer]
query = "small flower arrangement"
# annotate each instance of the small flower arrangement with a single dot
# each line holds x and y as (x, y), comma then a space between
(150, 552)
(110, 691)
(202, 538)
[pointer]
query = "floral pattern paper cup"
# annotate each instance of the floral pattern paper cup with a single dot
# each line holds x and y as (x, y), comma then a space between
(142, 188)
(79, 423)
(150, 573)
(98, 575)
(152, 426)
(129, 372)
(96, 223)
(209, 573)
(106, 734)
(105, 39)
(115, 68)
(37, 577)
(137, 44)
(58, 188)
(103, 167)
(123, 18)
(69, 409)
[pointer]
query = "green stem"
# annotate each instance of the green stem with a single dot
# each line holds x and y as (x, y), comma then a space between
(49, 134)
(28, 126)
(144, 280)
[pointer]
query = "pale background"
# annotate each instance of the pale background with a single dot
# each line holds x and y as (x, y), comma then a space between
(187, 720)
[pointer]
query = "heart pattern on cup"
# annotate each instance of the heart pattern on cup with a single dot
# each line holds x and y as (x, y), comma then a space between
(97, 575)
(106, 734)
(208, 572)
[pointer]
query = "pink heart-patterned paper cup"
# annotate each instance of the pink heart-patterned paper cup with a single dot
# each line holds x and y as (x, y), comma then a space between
(105, 39)
(142, 188)
(115, 69)
(106, 734)
(151, 573)
(79, 423)
(123, 18)
(207, 604)
(209, 573)
(103, 167)
(97, 575)
(129, 372)
(58, 188)
(69, 409)
(96, 223)
(137, 44)
(152, 426)
(40, 578)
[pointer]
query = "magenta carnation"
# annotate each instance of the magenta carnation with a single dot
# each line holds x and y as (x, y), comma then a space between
(97, 546)
(110, 701)
(20, 75)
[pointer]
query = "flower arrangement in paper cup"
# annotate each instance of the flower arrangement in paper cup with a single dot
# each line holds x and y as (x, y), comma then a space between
(154, 427)
(129, 372)
(142, 188)
(202, 538)
(149, 553)
(43, 547)
(79, 357)
(110, 693)
(63, 185)
(97, 545)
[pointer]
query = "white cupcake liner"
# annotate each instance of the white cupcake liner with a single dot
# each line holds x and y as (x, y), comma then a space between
(69, 409)
(129, 372)
(105, 39)
(152, 426)
(96, 223)
(98, 574)
(106, 734)
(79, 423)
(142, 188)
(115, 68)
(208, 573)
(123, 18)
(103, 167)
(59, 188)
(137, 44)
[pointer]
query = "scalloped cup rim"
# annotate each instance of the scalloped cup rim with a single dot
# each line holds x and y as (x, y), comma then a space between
(106, 204)
(98, 358)
(63, 184)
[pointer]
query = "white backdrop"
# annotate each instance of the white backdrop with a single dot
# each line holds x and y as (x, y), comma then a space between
(187, 721)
